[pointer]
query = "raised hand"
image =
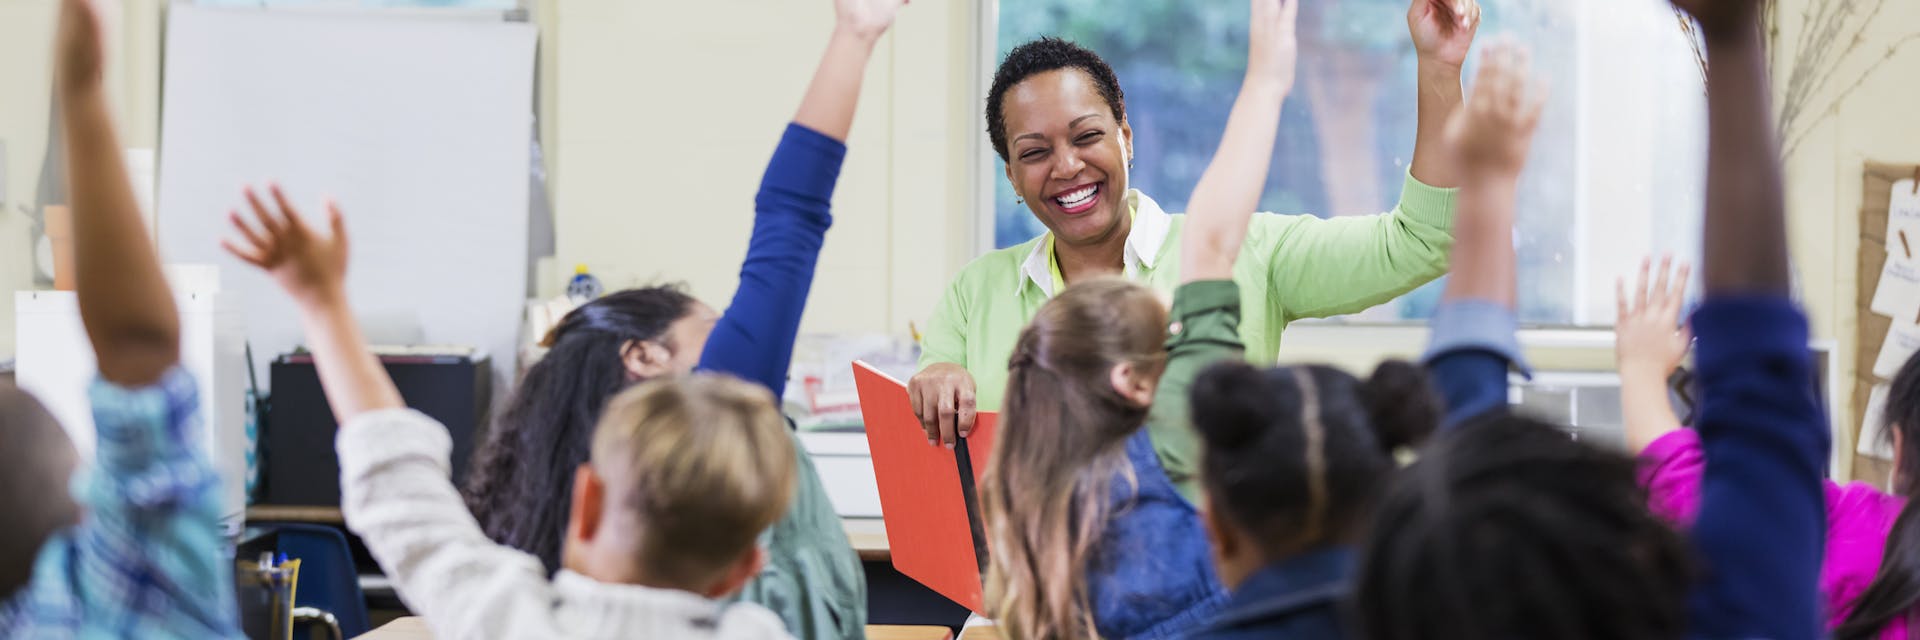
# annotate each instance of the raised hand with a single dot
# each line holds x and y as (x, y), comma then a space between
(1443, 29)
(1229, 190)
(310, 266)
(1723, 16)
(1491, 134)
(866, 18)
(1273, 50)
(82, 49)
(1650, 342)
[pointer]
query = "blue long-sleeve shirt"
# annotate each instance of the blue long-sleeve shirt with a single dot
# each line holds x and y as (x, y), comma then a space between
(754, 337)
(813, 579)
(1761, 530)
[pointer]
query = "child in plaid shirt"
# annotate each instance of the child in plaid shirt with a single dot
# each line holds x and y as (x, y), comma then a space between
(142, 552)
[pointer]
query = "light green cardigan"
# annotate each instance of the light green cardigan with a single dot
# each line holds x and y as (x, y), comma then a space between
(1291, 267)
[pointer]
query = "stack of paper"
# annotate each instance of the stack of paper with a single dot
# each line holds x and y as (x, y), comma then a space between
(1897, 297)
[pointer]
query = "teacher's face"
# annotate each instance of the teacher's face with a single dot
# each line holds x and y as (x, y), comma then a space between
(1067, 156)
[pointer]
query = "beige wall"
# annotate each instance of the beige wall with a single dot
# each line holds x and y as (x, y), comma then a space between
(1876, 123)
(665, 125)
(26, 35)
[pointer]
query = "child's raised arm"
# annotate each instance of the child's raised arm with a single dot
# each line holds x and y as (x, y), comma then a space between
(1229, 192)
(1649, 343)
(124, 300)
(394, 488)
(1474, 342)
(793, 209)
(1762, 524)
(835, 91)
(311, 267)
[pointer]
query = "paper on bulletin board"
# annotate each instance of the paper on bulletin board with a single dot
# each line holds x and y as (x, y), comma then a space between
(1873, 426)
(1898, 294)
(1903, 338)
(1903, 221)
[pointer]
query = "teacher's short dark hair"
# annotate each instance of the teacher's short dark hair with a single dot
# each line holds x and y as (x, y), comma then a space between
(1040, 56)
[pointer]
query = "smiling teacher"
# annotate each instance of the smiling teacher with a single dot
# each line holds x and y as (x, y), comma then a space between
(1058, 118)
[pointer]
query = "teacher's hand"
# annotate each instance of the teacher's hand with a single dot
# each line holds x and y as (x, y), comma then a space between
(942, 396)
(1443, 29)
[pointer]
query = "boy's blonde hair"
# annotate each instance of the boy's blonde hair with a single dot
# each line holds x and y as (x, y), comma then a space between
(699, 465)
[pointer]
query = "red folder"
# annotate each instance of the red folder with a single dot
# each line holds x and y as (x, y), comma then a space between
(927, 493)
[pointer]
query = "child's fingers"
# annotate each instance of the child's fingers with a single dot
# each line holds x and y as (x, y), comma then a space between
(1679, 291)
(1541, 90)
(246, 230)
(1659, 292)
(1620, 297)
(249, 255)
(1640, 286)
(1522, 85)
(269, 222)
(337, 222)
(286, 207)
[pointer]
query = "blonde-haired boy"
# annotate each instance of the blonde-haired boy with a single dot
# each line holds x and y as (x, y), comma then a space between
(699, 466)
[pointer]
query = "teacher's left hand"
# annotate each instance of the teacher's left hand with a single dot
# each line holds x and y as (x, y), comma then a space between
(1443, 29)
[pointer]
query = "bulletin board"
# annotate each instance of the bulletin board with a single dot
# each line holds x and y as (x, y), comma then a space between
(1878, 312)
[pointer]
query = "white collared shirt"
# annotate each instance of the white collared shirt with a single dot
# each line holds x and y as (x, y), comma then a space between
(1144, 244)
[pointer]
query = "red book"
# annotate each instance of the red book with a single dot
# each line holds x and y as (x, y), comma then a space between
(928, 494)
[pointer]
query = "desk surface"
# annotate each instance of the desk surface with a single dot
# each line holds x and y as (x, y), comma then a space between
(868, 535)
(869, 538)
(413, 628)
(408, 628)
(981, 632)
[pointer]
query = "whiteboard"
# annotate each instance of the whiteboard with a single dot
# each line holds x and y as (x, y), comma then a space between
(416, 124)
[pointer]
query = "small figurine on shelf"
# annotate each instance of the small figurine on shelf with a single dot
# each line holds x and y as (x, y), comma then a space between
(583, 288)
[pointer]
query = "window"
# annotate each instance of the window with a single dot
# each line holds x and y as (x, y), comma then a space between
(1616, 172)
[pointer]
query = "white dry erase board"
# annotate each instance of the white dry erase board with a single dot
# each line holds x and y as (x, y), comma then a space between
(417, 124)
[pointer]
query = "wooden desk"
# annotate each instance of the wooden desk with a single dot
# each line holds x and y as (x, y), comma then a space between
(869, 538)
(413, 628)
(286, 513)
(907, 632)
(408, 628)
(982, 632)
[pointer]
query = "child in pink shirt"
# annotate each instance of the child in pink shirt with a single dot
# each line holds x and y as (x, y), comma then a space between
(1860, 518)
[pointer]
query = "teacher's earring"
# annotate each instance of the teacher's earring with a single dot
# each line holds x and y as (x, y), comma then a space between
(1020, 201)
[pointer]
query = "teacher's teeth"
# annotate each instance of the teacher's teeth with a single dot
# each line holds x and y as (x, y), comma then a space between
(1078, 197)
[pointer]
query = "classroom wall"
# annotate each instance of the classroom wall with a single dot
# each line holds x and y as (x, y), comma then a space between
(665, 124)
(26, 40)
(26, 34)
(1824, 177)
(644, 155)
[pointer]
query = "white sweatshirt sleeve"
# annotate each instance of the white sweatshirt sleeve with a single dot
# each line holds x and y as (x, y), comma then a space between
(397, 497)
